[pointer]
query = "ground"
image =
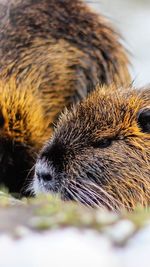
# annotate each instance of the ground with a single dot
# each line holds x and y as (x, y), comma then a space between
(49, 232)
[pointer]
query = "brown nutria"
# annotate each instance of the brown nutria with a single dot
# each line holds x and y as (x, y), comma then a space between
(100, 152)
(52, 53)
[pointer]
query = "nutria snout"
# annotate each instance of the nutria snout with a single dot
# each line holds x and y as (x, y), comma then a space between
(100, 152)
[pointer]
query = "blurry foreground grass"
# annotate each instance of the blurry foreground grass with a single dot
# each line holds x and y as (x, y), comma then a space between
(49, 213)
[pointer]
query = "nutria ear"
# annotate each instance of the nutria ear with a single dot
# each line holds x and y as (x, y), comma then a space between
(144, 120)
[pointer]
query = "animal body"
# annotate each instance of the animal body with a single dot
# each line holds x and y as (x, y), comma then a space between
(52, 53)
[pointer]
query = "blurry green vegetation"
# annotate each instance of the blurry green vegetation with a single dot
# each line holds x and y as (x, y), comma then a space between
(49, 213)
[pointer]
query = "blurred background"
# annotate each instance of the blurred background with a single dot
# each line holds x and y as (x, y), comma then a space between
(132, 19)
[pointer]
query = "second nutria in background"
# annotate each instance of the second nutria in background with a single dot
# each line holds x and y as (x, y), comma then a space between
(52, 53)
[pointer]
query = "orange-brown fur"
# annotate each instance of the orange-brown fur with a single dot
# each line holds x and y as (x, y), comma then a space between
(25, 122)
(102, 155)
(52, 53)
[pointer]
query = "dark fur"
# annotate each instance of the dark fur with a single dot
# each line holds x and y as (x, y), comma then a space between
(22, 156)
(100, 152)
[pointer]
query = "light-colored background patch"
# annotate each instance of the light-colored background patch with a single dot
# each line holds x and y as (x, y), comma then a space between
(132, 18)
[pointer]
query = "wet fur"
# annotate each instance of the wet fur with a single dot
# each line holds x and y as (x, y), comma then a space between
(99, 154)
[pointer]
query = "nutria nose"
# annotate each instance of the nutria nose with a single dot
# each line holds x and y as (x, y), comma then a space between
(45, 176)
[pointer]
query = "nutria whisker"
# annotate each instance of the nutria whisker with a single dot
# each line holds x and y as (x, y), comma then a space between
(27, 187)
(95, 199)
(107, 200)
(81, 196)
(77, 196)
(97, 190)
(30, 171)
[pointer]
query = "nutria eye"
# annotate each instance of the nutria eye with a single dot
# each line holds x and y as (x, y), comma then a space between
(144, 120)
(102, 143)
(2, 121)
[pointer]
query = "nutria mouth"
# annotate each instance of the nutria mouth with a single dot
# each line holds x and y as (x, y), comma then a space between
(100, 152)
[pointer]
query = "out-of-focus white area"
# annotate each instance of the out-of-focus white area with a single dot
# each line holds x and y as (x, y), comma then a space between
(132, 18)
(74, 248)
(136, 253)
(61, 248)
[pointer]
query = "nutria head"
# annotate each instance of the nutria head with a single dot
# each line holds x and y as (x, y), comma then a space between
(22, 132)
(100, 152)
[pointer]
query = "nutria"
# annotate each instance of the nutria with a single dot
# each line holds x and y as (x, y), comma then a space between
(52, 53)
(100, 152)
(23, 129)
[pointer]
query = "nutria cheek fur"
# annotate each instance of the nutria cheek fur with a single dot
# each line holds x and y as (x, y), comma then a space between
(100, 151)
(52, 53)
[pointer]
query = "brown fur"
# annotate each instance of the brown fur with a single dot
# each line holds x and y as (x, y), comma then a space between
(22, 124)
(52, 53)
(99, 154)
